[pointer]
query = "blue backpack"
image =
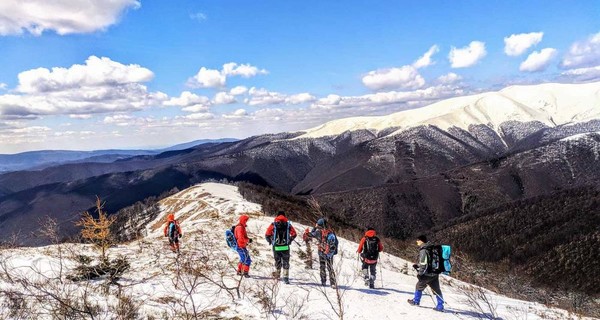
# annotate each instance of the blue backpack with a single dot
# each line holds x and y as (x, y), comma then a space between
(439, 259)
(230, 238)
(331, 247)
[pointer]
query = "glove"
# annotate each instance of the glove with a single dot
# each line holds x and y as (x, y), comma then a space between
(180, 236)
(166, 235)
(416, 266)
(249, 240)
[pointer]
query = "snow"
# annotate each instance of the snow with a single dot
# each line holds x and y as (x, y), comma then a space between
(205, 211)
(579, 136)
(552, 104)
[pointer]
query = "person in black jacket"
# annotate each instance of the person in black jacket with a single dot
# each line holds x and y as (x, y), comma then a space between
(425, 276)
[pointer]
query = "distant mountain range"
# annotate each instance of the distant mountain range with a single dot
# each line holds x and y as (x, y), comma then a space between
(435, 169)
(37, 160)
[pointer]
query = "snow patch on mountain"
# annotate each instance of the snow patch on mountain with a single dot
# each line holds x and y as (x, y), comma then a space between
(551, 104)
(162, 284)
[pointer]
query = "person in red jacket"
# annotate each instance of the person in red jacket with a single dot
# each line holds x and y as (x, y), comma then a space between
(173, 231)
(280, 234)
(369, 248)
(242, 241)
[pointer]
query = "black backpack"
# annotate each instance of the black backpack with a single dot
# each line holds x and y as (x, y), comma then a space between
(371, 248)
(281, 236)
(438, 259)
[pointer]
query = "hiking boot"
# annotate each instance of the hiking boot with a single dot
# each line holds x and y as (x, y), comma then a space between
(245, 274)
(366, 282)
(439, 309)
(412, 302)
(286, 280)
(371, 285)
(239, 272)
(333, 285)
(323, 284)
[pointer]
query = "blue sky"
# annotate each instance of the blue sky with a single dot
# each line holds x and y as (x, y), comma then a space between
(78, 74)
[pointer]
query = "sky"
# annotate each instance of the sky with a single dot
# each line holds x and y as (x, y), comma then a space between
(105, 74)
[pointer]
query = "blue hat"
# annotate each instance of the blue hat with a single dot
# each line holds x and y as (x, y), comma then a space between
(321, 222)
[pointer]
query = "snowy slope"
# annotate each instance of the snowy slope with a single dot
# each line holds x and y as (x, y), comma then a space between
(551, 104)
(205, 211)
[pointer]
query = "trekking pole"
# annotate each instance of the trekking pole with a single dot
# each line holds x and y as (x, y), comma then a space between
(381, 274)
(298, 243)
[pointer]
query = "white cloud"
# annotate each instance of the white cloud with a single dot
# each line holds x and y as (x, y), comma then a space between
(80, 116)
(118, 118)
(224, 98)
(448, 78)
(584, 53)
(198, 16)
(270, 113)
(3, 86)
(187, 99)
(300, 98)
(538, 60)
(244, 70)
(425, 59)
(196, 108)
(207, 78)
(517, 44)
(211, 78)
(101, 85)
(417, 97)
(239, 113)
(200, 116)
(264, 97)
(583, 74)
(467, 56)
(405, 77)
(239, 90)
(96, 72)
(63, 17)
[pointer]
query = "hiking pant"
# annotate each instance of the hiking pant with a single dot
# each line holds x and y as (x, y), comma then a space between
(432, 281)
(369, 269)
(174, 243)
(282, 259)
(245, 260)
(325, 262)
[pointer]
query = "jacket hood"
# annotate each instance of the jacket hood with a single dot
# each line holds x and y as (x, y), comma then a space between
(281, 218)
(370, 233)
(243, 219)
(170, 217)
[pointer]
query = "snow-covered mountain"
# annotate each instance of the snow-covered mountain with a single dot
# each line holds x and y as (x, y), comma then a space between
(551, 104)
(201, 281)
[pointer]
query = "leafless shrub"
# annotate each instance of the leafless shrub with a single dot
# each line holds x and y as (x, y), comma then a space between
(480, 302)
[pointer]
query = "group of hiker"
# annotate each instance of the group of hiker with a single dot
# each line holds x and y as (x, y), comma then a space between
(281, 234)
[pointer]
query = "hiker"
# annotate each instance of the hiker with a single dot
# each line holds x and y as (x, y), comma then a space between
(327, 247)
(308, 262)
(173, 231)
(369, 248)
(426, 276)
(242, 241)
(280, 234)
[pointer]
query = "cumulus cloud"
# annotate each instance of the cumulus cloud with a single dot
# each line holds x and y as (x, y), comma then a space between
(448, 78)
(517, 44)
(63, 17)
(584, 53)
(224, 98)
(186, 99)
(300, 98)
(405, 77)
(101, 85)
(467, 56)
(200, 116)
(96, 72)
(239, 90)
(239, 113)
(3, 86)
(538, 60)
(243, 70)
(261, 96)
(425, 59)
(419, 96)
(80, 116)
(582, 74)
(211, 78)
